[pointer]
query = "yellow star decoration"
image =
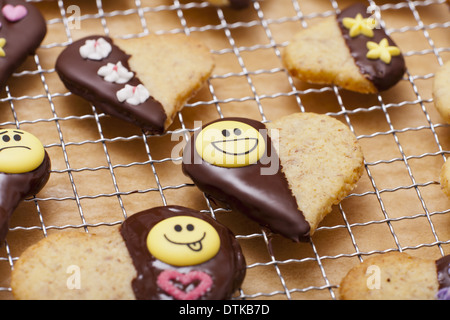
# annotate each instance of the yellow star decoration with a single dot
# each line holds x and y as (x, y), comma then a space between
(359, 25)
(2, 44)
(382, 51)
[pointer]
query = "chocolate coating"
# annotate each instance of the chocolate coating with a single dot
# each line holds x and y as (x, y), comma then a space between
(239, 4)
(15, 188)
(443, 270)
(22, 38)
(266, 199)
(227, 268)
(80, 77)
(382, 75)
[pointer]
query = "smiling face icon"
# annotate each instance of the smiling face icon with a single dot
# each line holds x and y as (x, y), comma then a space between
(183, 241)
(20, 151)
(230, 144)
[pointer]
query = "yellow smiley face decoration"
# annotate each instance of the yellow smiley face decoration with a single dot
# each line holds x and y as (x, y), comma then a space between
(183, 241)
(230, 144)
(20, 151)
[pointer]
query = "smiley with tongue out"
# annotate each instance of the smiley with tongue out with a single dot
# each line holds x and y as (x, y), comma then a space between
(182, 254)
(183, 241)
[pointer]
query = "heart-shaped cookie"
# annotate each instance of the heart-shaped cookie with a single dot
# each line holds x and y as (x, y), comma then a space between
(349, 50)
(164, 253)
(22, 29)
(144, 81)
(286, 175)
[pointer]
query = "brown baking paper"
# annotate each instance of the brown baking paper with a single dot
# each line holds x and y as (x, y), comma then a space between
(104, 170)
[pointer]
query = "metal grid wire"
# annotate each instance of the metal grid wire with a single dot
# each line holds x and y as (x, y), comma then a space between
(279, 265)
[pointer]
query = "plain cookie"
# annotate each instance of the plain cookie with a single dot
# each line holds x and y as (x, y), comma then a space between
(165, 253)
(441, 91)
(397, 276)
(48, 270)
(286, 175)
(347, 51)
(144, 81)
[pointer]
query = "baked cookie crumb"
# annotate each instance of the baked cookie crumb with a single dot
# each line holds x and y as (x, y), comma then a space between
(444, 178)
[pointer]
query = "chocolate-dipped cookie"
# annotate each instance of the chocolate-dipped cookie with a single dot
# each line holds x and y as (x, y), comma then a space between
(164, 253)
(286, 175)
(22, 29)
(182, 254)
(24, 171)
(397, 276)
(144, 81)
(349, 50)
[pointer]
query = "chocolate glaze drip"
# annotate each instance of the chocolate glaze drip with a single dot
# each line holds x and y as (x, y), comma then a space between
(15, 188)
(443, 270)
(266, 199)
(382, 75)
(80, 77)
(227, 268)
(22, 38)
(239, 4)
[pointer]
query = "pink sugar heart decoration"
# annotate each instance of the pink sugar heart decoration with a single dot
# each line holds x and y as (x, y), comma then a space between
(167, 278)
(14, 13)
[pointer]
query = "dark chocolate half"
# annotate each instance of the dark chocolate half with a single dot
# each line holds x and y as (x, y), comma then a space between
(267, 199)
(239, 4)
(382, 75)
(16, 187)
(80, 76)
(443, 269)
(23, 37)
(443, 277)
(227, 268)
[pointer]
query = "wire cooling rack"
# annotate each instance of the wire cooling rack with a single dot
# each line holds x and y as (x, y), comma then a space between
(104, 170)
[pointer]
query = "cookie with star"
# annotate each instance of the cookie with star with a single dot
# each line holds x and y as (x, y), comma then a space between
(163, 253)
(349, 50)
